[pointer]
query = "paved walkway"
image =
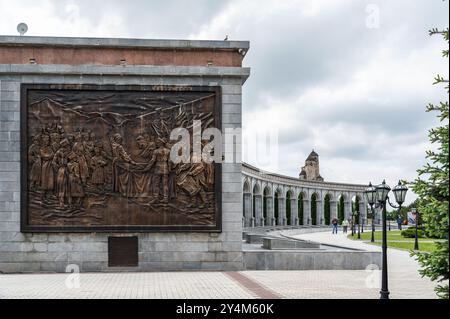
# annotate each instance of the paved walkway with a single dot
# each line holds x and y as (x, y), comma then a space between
(170, 285)
(325, 284)
(339, 239)
(404, 278)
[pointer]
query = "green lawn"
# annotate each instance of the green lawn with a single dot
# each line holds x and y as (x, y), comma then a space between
(410, 245)
(396, 240)
(392, 235)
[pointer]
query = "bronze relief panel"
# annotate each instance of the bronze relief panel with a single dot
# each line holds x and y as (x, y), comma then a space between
(97, 158)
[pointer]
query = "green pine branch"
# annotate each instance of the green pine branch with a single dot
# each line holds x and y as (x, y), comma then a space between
(432, 189)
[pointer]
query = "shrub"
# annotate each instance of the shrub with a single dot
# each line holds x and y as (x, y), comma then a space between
(411, 233)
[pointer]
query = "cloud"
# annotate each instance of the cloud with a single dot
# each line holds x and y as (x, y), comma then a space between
(321, 78)
(112, 18)
(58, 18)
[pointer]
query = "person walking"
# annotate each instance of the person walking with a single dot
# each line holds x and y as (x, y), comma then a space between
(334, 222)
(399, 222)
(344, 226)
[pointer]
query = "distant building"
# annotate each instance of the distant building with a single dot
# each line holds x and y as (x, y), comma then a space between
(310, 171)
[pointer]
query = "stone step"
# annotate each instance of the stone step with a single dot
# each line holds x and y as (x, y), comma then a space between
(281, 243)
(310, 260)
(254, 238)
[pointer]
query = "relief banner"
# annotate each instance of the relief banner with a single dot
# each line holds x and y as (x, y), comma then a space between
(97, 158)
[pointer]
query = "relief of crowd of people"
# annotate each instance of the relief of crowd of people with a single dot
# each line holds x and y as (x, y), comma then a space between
(68, 166)
(63, 165)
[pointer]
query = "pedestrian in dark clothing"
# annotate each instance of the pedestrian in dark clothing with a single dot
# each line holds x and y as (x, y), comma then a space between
(399, 222)
(335, 222)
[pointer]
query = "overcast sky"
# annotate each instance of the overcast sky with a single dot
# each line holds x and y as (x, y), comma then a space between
(349, 78)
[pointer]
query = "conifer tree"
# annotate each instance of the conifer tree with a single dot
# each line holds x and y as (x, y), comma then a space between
(432, 188)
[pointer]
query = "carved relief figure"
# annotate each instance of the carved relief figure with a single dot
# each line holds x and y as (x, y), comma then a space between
(78, 149)
(160, 158)
(193, 180)
(47, 175)
(146, 145)
(76, 191)
(98, 164)
(60, 165)
(173, 176)
(55, 139)
(118, 151)
(121, 162)
(88, 148)
(71, 138)
(89, 143)
(34, 159)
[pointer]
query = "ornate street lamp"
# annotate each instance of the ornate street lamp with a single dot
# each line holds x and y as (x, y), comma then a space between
(382, 192)
(400, 193)
(370, 194)
(382, 197)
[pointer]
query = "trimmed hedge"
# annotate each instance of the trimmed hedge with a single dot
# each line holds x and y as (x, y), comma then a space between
(411, 233)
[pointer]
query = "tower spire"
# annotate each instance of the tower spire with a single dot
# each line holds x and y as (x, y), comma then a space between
(311, 169)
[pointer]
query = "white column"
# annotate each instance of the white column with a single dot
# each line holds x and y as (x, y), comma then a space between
(362, 211)
(294, 212)
(258, 210)
(306, 212)
(319, 212)
(270, 212)
(281, 211)
(333, 209)
(348, 209)
(248, 209)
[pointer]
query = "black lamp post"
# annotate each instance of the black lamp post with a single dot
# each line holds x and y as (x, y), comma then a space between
(416, 240)
(371, 198)
(382, 192)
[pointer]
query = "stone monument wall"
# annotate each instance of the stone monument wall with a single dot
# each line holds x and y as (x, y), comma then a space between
(53, 251)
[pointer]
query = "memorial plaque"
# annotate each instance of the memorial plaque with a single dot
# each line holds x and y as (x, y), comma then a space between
(123, 252)
(97, 158)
